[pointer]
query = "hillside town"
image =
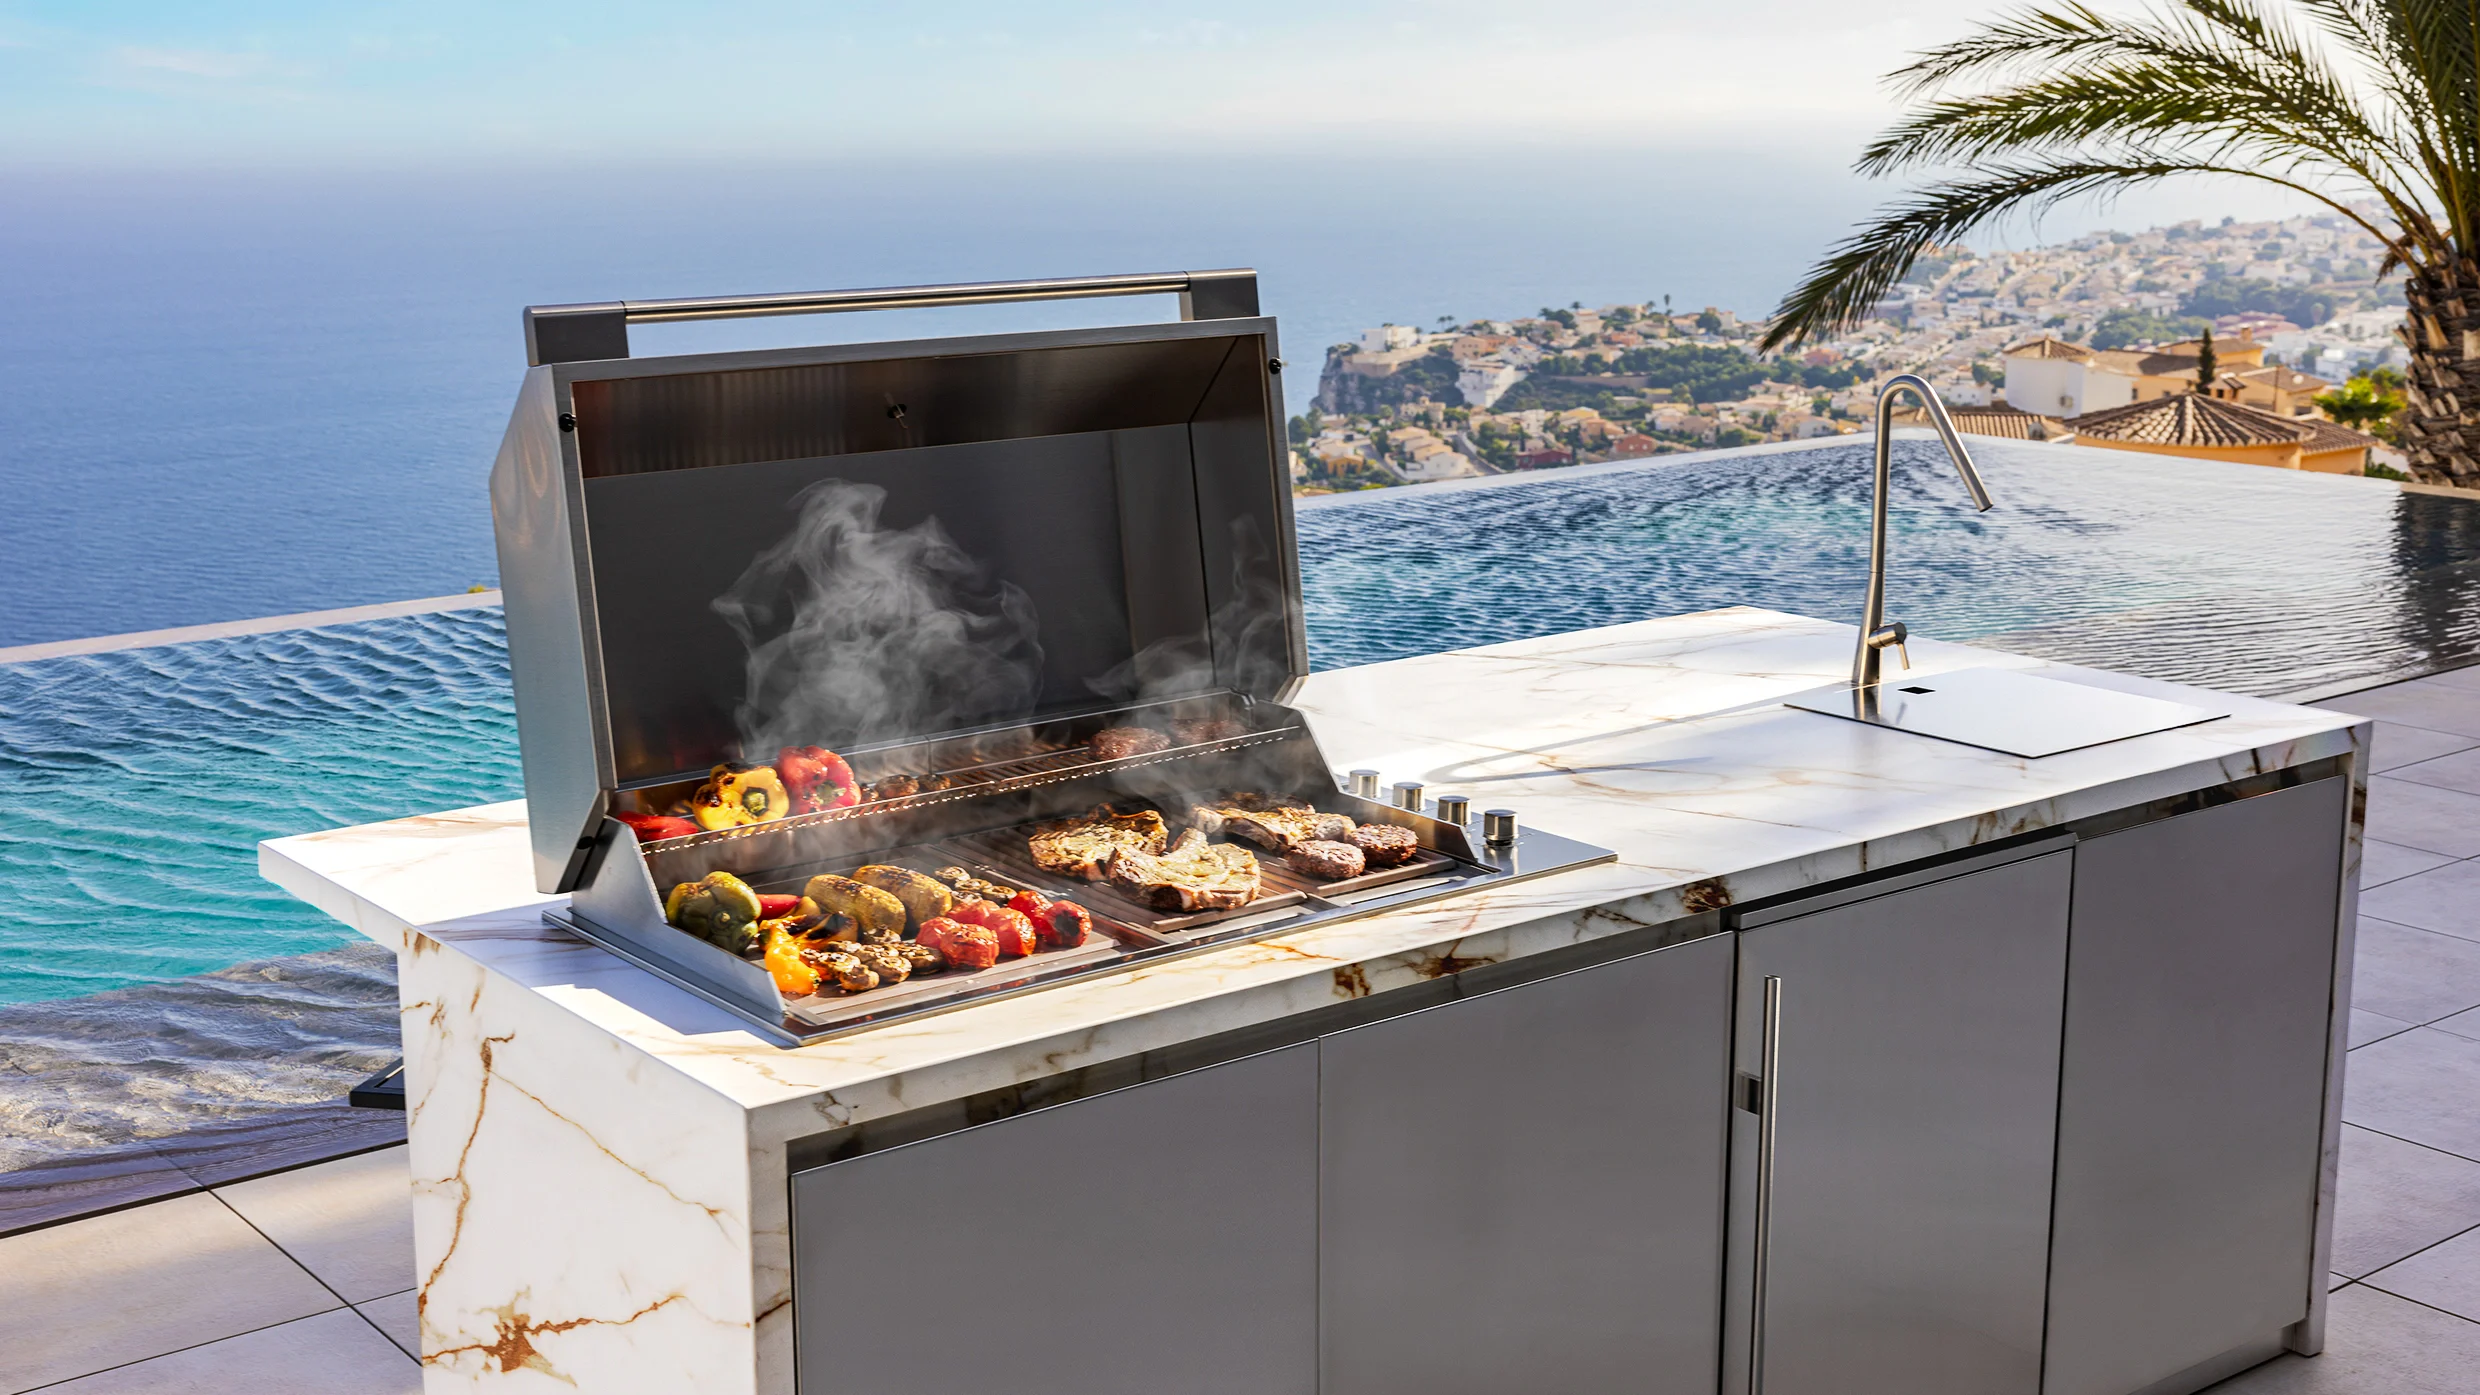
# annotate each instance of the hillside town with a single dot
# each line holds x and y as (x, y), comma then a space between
(2280, 331)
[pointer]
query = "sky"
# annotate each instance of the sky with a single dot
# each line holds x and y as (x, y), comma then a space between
(153, 82)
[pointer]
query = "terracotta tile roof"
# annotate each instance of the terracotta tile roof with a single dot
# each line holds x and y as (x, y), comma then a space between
(2282, 378)
(2132, 363)
(1999, 419)
(2049, 346)
(2326, 435)
(2186, 419)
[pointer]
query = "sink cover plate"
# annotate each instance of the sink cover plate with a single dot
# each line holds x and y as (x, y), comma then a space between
(2002, 709)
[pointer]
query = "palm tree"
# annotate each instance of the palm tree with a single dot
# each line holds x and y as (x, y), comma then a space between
(2341, 101)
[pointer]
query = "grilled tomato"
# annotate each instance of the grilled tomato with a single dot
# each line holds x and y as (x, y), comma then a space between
(965, 946)
(1061, 924)
(1013, 930)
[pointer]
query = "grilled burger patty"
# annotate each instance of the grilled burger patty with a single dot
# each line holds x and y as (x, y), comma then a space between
(1111, 743)
(1328, 861)
(1384, 844)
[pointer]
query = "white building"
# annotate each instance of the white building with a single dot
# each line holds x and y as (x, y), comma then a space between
(2051, 377)
(1438, 464)
(1485, 380)
(1389, 337)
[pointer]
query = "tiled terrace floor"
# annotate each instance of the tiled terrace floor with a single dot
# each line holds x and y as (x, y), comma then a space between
(301, 1283)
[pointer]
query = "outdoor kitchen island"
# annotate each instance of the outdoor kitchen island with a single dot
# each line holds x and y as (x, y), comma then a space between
(1955, 1071)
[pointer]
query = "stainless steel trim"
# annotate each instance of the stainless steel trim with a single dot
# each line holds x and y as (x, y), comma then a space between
(1767, 912)
(1769, 1069)
(571, 333)
(727, 307)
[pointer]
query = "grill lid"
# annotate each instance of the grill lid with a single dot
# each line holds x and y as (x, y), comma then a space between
(705, 557)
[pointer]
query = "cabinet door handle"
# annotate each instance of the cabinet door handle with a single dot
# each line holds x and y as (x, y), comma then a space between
(1769, 1094)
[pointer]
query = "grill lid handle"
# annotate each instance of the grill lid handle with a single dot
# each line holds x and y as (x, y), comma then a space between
(576, 333)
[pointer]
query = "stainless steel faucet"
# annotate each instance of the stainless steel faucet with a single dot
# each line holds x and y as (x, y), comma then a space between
(1876, 636)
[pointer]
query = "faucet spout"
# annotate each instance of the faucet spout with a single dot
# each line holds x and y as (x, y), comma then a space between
(1876, 636)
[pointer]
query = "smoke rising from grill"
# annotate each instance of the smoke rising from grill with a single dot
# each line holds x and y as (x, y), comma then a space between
(857, 632)
(1250, 625)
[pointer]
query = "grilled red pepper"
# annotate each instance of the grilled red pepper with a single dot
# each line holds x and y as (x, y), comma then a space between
(656, 827)
(777, 907)
(1030, 902)
(1062, 925)
(817, 779)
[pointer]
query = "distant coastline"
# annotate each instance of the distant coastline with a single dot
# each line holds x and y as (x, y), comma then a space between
(1402, 405)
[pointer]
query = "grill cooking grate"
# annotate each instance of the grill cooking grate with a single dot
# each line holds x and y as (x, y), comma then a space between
(978, 781)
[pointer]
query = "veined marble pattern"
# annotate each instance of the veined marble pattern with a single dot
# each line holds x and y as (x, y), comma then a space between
(581, 1216)
(1664, 740)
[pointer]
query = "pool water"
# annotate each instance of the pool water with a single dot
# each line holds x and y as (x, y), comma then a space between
(139, 782)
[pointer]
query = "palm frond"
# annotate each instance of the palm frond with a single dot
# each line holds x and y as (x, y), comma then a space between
(2333, 99)
(2222, 76)
(1857, 272)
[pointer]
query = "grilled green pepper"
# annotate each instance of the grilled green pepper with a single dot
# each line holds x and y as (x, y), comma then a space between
(718, 908)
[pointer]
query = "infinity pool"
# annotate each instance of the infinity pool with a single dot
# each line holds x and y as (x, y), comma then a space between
(139, 782)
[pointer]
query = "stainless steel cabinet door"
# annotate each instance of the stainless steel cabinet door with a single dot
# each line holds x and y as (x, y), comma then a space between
(2199, 995)
(1160, 1238)
(1522, 1192)
(1915, 1089)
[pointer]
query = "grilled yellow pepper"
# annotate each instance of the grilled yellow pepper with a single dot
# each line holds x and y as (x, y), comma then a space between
(793, 975)
(718, 908)
(736, 794)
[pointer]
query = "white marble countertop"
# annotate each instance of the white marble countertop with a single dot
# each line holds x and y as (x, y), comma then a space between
(1665, 740)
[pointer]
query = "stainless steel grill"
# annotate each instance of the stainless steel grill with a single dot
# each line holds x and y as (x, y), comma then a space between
(1119, 498)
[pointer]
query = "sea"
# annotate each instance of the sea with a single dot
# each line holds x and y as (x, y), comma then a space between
(236, 393)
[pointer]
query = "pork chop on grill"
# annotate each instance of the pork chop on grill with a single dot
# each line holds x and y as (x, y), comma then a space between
(1194, 876)
(1276, 827)
(1079, 847)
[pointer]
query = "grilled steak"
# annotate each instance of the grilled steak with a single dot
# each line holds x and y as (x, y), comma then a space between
(1079, 847)
(1111, 743)
(1274, 829)
(1194, 876)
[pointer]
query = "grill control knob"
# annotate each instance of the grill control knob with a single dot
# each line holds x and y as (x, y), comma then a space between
(1498, 826)
(1408, 795)
(1454, 808)
(1365, 783)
